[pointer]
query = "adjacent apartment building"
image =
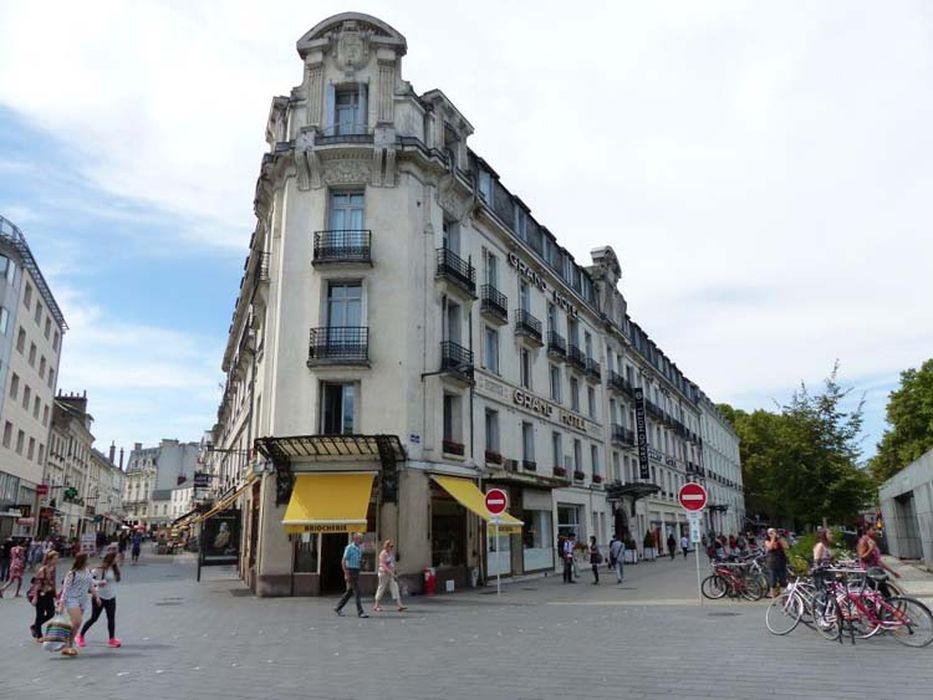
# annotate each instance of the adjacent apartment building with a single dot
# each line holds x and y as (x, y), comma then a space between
(408, 334)
(151, 475)
(31, 330)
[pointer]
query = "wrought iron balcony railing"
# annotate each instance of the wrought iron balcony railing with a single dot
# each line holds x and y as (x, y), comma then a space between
(347, 345)
(623, 435)
(339, 246)
(556, 345)
(344, 133)
(527, 325)
(457, 360)
(452, 267)
(576, 357)
(529, 465)
(494, 303)
(593, 370)
(453, 447)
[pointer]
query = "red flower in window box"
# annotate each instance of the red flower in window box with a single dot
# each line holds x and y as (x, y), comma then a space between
(560, 471)
(597, 479)
(493, 457)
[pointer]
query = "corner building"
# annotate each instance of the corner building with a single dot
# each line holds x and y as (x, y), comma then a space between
(407, 334)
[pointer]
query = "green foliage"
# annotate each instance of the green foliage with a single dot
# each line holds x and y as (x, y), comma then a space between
(800, 556)
(800, 465)
(910, 416)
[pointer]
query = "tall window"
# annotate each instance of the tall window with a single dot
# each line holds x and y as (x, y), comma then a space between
(452, 424)
(7, 433)
(491, 264)
(555, 383)
(577, 456)
(27, 295)
(350, 109)
(574, 394)
(346, 211)
(338, 401)
(38, 316)
(20, 439)
(591, 401)
(528, 442)
(552, 318)
(491, 349)
(344, 304)
(4, 320)
(21, 340)
(32, 354)
(451, 239)
(594, 458)
(573, 332)
(526, 368)
(492, 431)
(524, 296)
(557, 450)
(452, 325)
(588, 344)
(27, 396)
(48, 328)
(14, 386)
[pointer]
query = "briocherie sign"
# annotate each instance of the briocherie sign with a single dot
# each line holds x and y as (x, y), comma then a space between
(537, 279)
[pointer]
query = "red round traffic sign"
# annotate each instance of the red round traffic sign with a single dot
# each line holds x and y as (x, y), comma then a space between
(692, 496)
(497, 501)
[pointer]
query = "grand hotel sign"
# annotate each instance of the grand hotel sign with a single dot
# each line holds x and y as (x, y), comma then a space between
(530, 402)
(537, 279)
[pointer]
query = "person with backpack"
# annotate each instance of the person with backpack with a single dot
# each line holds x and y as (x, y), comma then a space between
(617, 556)
(106, 576)
(42, 593)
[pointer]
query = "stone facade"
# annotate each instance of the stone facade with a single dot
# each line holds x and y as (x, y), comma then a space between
(907, 506)
(395, 288)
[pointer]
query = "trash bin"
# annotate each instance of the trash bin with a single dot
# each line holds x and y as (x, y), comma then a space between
(430, 580)
(474, 577)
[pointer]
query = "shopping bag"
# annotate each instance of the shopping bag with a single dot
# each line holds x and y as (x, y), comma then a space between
(57, 632)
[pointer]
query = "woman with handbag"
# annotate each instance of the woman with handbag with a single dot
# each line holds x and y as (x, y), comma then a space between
(106, 576)
(73, 600)
(42, 593)
(387, 577)
(17, 567)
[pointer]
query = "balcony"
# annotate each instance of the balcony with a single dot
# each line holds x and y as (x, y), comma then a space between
(528, 327)
(593, 371)
(653, 410)
(339, 345)
(556, 345)
(344, 133)
(529, 465)
(454, 269)
(494, 304)
(452, 447)
(576, 357)
(342, 247)
(457, 361)
(560, 472)
(493, 457)
(619, 383)
(623, 435)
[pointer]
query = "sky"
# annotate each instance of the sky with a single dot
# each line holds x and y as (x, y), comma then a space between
(762, 170)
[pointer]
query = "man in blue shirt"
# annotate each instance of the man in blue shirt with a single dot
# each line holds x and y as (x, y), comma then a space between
(352, 557)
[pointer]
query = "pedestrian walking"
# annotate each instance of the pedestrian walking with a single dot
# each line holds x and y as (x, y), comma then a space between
(35, 554)
(137, 545)
(350, 563)
(387, 577)
(671, 545)
(776, 562)
(79, 583)
(43, 592)
(684, 544)
(5, 550)
(822, 552)
(569, 543)
(17, 568)
(106, 576)
(616, 556)
(595, 558)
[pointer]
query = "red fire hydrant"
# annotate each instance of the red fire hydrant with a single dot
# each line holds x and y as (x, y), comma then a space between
(430, 580)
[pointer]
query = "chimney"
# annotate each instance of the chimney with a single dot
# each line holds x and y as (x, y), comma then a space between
(137, 446)
(121, 459)
(113, 450)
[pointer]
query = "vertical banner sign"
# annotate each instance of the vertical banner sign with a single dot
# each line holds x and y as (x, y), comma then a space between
(642, 431)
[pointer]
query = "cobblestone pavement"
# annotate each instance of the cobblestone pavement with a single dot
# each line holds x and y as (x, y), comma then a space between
(541, 639)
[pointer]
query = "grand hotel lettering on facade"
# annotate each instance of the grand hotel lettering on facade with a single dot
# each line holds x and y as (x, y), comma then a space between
(380, 386)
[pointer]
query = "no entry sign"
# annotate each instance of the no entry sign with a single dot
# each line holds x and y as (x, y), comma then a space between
(497, 501)
(692, 497)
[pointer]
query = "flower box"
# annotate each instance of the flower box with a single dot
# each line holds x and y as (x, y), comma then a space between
(579, 476)
(493, 457)
(560, 472)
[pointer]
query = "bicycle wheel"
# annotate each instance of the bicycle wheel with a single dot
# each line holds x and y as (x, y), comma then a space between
(784, 613)
(714, 587)
(908, 620)
(826, 617)
(751, 589)
(863, 622)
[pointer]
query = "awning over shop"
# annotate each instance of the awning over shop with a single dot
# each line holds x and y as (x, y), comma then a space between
(329, 502)
(187, 519)
(470, 497)
(638, 489)
(224, 502)
(327, 447)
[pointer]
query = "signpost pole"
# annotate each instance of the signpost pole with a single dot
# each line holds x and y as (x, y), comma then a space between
(696, 556)
(498, 563)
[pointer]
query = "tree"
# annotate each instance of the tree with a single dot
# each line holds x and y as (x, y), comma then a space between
(799, 465)
(909, 414)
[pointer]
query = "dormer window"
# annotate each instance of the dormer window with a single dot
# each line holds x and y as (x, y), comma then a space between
(451, 146)
(347, 112)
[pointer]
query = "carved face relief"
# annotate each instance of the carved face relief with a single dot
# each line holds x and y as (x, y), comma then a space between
(352, 50)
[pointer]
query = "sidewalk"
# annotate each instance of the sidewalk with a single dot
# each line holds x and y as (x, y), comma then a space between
(915, 581)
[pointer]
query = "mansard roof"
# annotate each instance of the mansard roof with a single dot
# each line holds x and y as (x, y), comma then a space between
(380, 33)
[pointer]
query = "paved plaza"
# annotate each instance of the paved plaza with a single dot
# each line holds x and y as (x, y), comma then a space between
(541, 639)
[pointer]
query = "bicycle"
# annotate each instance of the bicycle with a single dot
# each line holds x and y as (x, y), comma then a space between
(731, 579)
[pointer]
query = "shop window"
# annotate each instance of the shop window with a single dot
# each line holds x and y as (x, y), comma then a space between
(448, 530)
(537, 531)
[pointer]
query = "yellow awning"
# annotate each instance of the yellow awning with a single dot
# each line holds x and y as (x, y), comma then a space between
(329, 503)
(225, 502)
(471, 498)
